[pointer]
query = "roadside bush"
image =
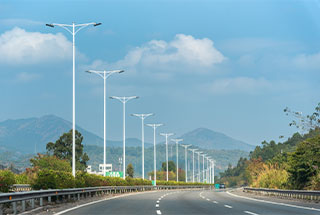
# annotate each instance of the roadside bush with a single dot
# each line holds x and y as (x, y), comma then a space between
(22, 179)
(7, 179)
(49, 179)
(272, 177)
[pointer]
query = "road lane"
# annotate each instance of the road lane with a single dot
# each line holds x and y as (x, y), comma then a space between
(199, 202)
(257, 207)
(136, 204)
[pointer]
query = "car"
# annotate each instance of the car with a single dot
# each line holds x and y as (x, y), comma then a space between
(222, 186)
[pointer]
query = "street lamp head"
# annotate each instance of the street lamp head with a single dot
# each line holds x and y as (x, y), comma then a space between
(89, 71)
(154, 125)
(176, 140)
(166, 134)
(97, 24)
(50, 25)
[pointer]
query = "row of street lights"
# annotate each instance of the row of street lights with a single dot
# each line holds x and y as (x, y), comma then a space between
(73, 29)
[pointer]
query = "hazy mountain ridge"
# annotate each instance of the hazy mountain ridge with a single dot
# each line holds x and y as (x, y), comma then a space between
(208, 139)
(32, 134)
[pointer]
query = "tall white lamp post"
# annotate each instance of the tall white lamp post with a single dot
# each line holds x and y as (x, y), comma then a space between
(203, 170)
(142, 117)
(73, 32)
(167, 135)
(124, 100)
(193, 150)
(186, 159)
(105, 75)
(154, 126)
(199, 180)
(177, 156)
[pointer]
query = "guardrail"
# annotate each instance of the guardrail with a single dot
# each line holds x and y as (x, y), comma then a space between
(31, 199)
(296, 194)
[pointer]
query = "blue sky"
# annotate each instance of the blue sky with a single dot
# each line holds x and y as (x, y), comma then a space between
(231, 66)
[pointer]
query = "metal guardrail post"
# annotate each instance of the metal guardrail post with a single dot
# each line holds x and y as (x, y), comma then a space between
(23, 203)
(41, 202)
(32, 203)
(14, 207)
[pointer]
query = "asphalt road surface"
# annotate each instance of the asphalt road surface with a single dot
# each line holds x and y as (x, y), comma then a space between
(198, 202)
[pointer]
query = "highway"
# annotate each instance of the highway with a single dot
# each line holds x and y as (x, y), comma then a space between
(200, 202)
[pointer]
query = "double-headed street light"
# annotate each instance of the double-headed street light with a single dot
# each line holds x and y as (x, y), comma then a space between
(177, 155)
(193, 150)
(142, 117)
(105, 75)
(124, 100)
(167, 135)
(154, 126)
(73, 32)
(186, 159)
(199, 165)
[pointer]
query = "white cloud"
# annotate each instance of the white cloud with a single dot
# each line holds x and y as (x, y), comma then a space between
(239, 85)
(18, 46)
(27, 77)
(305, 61)
(183, 53)
(19, 22)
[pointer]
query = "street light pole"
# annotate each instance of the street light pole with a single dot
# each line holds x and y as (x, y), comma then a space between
(186, 159)
(203, 155)
(124, 100)
(73, 32)
(193, 150)
(177, 155)
(104, 75)
(142, 117)
(154, 126)
(167, 135)
(199, 165)
(208, 168)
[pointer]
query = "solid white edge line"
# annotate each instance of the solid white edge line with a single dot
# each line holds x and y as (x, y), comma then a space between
(158, 212)
(228, 206)
(106, 199)
(248, 212)
(275, 203)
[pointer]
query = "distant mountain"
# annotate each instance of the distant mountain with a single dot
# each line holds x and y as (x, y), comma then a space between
(208, 139)
(32, 134)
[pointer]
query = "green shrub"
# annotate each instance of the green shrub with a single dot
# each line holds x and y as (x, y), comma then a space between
(49, 179)
(7, 179)
(22, 179)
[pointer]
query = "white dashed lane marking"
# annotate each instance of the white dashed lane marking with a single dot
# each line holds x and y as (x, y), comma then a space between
(158, 212)
(215, 202)
(251, 213)
(228, 206)
(157, 205)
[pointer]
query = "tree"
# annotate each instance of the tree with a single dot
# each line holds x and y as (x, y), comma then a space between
(50, 162)
(130, 170)
(171, 166)
(62, 149)
(304, 163)
(305, 122)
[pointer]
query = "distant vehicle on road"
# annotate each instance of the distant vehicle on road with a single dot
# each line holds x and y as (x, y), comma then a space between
(222, 186)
